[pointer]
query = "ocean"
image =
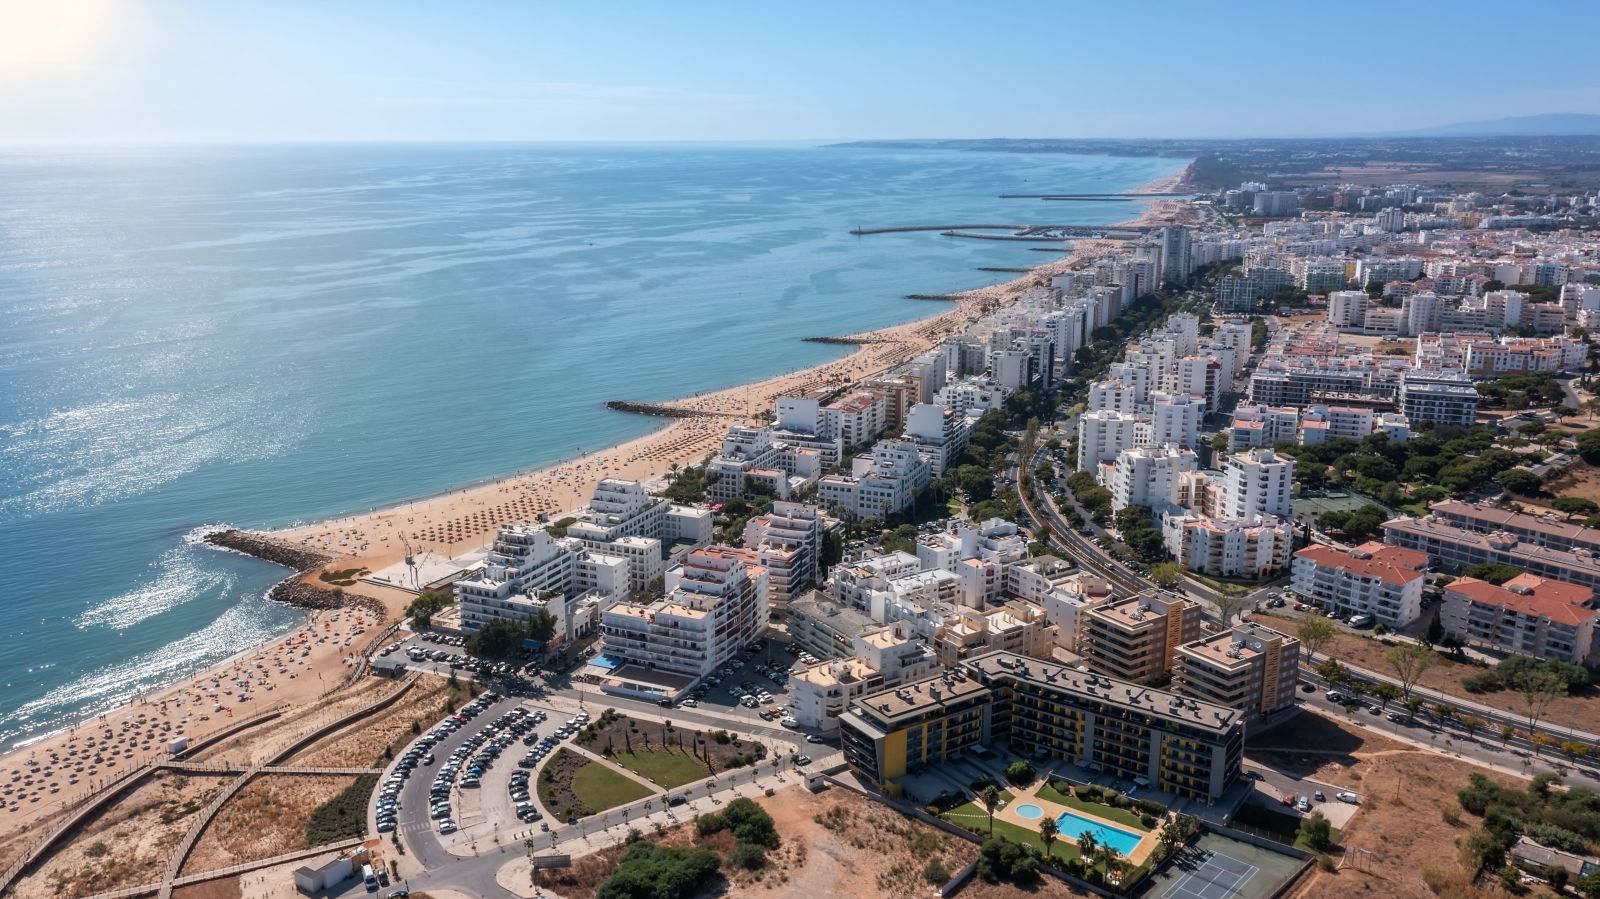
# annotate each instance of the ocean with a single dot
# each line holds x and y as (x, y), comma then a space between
(261, 336)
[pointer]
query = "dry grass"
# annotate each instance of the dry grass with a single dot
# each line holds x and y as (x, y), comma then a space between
(222, 888)
(1401, 829)
(388, 728)
(266, 818)
(126, 845)
(835, 844)
(260, 742)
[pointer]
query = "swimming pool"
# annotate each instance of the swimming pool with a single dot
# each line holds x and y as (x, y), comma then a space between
(1071, 825)
(605, 662)
(1029, 811)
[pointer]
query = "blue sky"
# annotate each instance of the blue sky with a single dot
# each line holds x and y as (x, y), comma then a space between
(286, 70)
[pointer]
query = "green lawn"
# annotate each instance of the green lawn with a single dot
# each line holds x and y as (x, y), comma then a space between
(1121, 816)
(973, 818)
(600, 788)
(666, 769)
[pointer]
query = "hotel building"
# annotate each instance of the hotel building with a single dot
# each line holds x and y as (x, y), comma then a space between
(787, 541)
(884, 483)
(1176, 744)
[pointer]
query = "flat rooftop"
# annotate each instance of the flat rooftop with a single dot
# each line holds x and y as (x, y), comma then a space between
(915, 698)
(1106, 691)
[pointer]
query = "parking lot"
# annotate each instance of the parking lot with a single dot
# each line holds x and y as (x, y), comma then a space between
(755, 684)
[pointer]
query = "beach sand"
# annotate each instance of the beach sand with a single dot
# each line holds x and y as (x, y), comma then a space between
(57, 772)
(54, 773)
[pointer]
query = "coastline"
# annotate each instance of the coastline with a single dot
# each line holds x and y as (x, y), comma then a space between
(451, 523)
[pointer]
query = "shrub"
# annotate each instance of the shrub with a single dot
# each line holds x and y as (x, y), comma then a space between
(935, 872)
(1147, 820)
(1003, 859)
(1150, 807)
(1485, 682)
(1450, 814)
(1118, 800)
(1316, 831)
(1019, 772)
(1088, 793)
(344, 816)
(648, 871)
(749, 856)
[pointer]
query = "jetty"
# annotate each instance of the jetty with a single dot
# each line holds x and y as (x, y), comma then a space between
(939, 297)
(1001, 268)
(971, 235)
(662, 410)
(846, 341)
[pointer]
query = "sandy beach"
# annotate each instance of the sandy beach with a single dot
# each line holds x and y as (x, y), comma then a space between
(56, 772)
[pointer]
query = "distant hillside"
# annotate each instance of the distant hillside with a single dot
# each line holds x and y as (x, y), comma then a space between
(1555, 124)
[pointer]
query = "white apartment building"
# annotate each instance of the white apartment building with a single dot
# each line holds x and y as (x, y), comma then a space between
(1103, 435)
(716, 603)
(1257, 483)
(1202, 377)
(1267, 426)
(1139, 376)
(787, 542)
(884, 483)
(939, 433)
(1527, 615)
(623, 519)
(1115, 396)
(857, 419)
(1149, 476)
(1372, 579)
(1174, 419)
(1347, 308)
(1441, 397)
(1250, 548)
(748, 453)
(526, 570)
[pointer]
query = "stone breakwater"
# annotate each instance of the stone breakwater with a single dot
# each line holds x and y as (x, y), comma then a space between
(293, 591)
(268, 549)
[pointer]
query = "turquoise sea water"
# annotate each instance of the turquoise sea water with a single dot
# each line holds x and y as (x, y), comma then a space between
(261, 336)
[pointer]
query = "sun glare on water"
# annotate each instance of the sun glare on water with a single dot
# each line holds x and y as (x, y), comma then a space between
(41, 37)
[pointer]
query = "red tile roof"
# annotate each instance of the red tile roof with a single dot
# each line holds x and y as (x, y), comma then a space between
(1390, 564)
(1532, 596)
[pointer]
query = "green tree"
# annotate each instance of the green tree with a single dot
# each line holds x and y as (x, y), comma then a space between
(496, 640)
(1219, 443)
(1314, 632)
(1048, 832)
(991, 801)
(1316, 832)
(541, 626)
(1538, 687)
(1494, 572)
(1575, 505)
(426, 605)
(1166, 574)
(1409, 662)
(1520, 481)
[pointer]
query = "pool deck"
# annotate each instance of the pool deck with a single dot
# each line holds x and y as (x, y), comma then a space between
(1029, 795)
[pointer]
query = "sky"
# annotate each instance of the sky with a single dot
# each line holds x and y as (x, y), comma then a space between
(140, 71)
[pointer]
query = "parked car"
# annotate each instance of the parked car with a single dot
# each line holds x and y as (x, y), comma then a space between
(1347, 796)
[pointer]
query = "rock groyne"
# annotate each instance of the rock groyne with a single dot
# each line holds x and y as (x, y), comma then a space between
(293, 591)
(279, 553)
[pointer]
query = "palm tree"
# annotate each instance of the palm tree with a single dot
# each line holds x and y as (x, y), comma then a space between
(991, 801)
(1048, 831)
(1086, 844)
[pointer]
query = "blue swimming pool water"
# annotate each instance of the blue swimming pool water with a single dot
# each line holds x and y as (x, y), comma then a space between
(1070, 826)
(605, 662)
(1029, 811)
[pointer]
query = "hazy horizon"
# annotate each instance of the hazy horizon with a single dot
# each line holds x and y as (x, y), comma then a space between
(160, 72)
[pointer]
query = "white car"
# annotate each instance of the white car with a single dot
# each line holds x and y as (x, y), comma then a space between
(1347, 796)
(447, 826)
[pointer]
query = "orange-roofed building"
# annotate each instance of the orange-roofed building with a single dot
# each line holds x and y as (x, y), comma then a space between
(1372, 579)
(1527, 615)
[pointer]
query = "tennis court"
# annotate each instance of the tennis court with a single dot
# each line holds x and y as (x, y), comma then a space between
(1219, 867)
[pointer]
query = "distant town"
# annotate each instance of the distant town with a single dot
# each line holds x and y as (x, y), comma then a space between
(1254, 551)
